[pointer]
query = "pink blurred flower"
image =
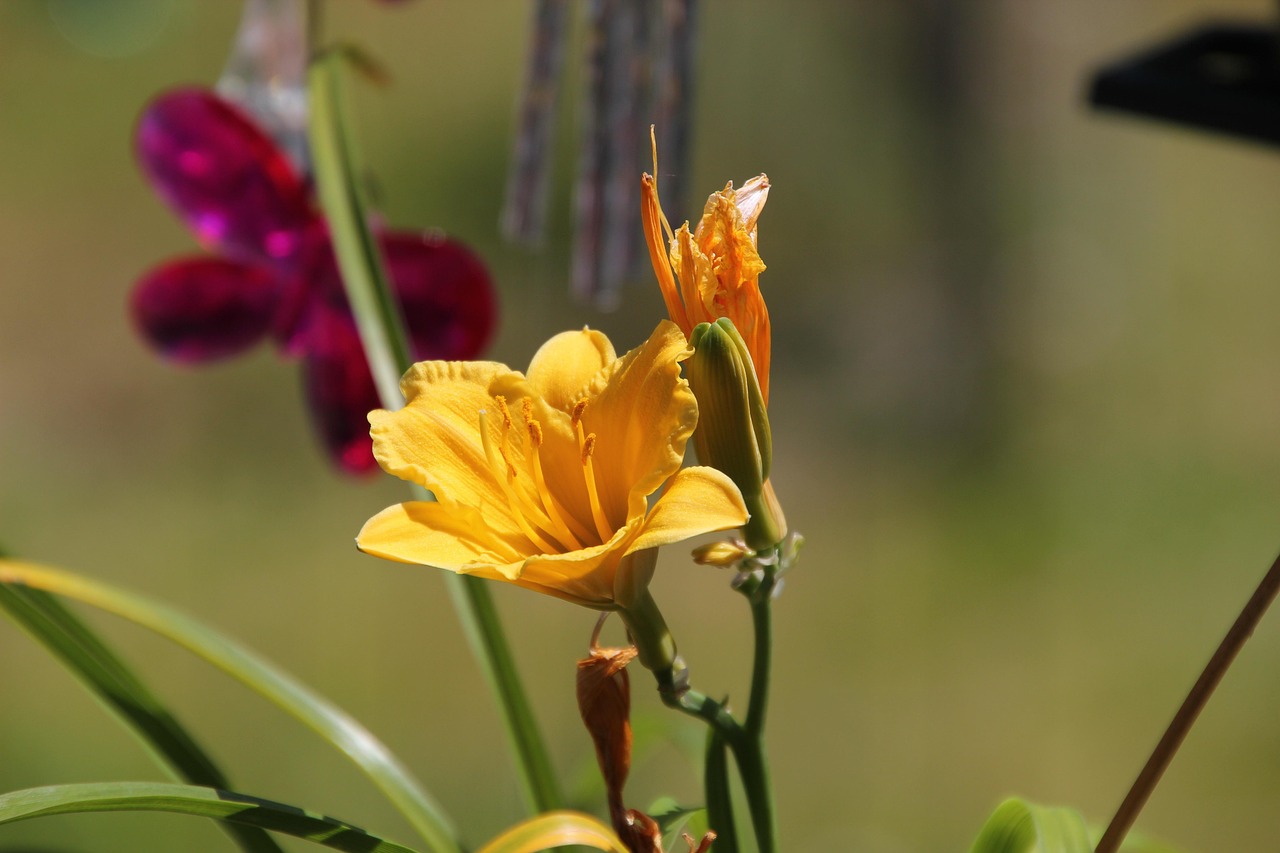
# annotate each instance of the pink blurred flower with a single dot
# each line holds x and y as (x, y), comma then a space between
(272, 273)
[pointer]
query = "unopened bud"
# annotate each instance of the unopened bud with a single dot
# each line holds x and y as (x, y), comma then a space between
(733, 424)
(721, 554)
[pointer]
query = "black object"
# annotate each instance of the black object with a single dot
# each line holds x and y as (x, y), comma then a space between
(1220, 77)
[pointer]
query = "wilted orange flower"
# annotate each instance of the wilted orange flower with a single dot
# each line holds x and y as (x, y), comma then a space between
(714, 271)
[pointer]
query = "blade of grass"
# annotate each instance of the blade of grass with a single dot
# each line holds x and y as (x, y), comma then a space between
(387, 349)
(237, 809)
(89, 659)
(314, 711)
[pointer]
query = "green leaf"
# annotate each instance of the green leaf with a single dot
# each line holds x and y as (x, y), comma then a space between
(676, 819)
(1017, 826)
(386, 346)
(376, 312)
(191, 800)
(89, 659)
(314, 711)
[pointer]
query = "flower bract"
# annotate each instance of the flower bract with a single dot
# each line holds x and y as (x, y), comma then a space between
(544, 479)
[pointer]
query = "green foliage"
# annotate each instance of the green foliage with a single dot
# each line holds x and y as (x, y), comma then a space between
(316, 712)
(1017, 826)
(90, 660)
(191, 800)
(675, 819)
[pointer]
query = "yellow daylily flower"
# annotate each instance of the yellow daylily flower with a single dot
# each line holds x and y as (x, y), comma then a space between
(714, 271)
(543, 479)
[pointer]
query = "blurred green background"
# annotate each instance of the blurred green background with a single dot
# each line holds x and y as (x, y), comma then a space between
(1024, 403)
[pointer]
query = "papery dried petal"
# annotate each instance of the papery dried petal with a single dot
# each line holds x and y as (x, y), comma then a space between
(235, 189)
(604, 700)
(203, 309)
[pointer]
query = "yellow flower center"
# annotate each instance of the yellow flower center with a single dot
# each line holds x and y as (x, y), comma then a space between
(541, 517)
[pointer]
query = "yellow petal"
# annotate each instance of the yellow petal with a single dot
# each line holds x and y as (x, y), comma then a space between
(698, 500)
(434, 440)
(585, 576)
(642, 413)
(563, 367)
(432, 534)
(555, 829)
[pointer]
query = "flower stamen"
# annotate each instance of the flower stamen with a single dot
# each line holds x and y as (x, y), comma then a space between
(507, 478)
(587, 446)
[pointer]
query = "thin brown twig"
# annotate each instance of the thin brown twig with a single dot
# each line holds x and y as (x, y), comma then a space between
(1182, 721)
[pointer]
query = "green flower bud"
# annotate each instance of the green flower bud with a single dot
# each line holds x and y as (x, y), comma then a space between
(733, 423)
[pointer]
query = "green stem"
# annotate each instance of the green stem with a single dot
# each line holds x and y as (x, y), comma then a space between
(658, 653)
(387, 349)
(753, 763)
(753, 769)
(719, 803)
(480, 621)
(748, 752)
(762, 623)
(376, 312)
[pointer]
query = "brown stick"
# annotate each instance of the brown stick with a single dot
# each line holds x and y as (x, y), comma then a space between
(1217, 667)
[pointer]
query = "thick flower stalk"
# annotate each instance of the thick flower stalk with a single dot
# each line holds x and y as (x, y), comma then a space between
(543, 479)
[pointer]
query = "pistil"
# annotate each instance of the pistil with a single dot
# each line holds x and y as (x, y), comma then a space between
(561, 530)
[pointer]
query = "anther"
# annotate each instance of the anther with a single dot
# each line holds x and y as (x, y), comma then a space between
(578, 408)
(501, 402)
(588, 447)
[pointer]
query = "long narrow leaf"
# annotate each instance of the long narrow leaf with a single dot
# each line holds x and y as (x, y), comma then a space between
(99, 669)
(555, 829)
(317, 713)
(192, 800)
(1017, 826)
(382, 333)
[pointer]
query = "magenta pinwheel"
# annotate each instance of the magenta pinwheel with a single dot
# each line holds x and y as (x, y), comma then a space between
(271, 272)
